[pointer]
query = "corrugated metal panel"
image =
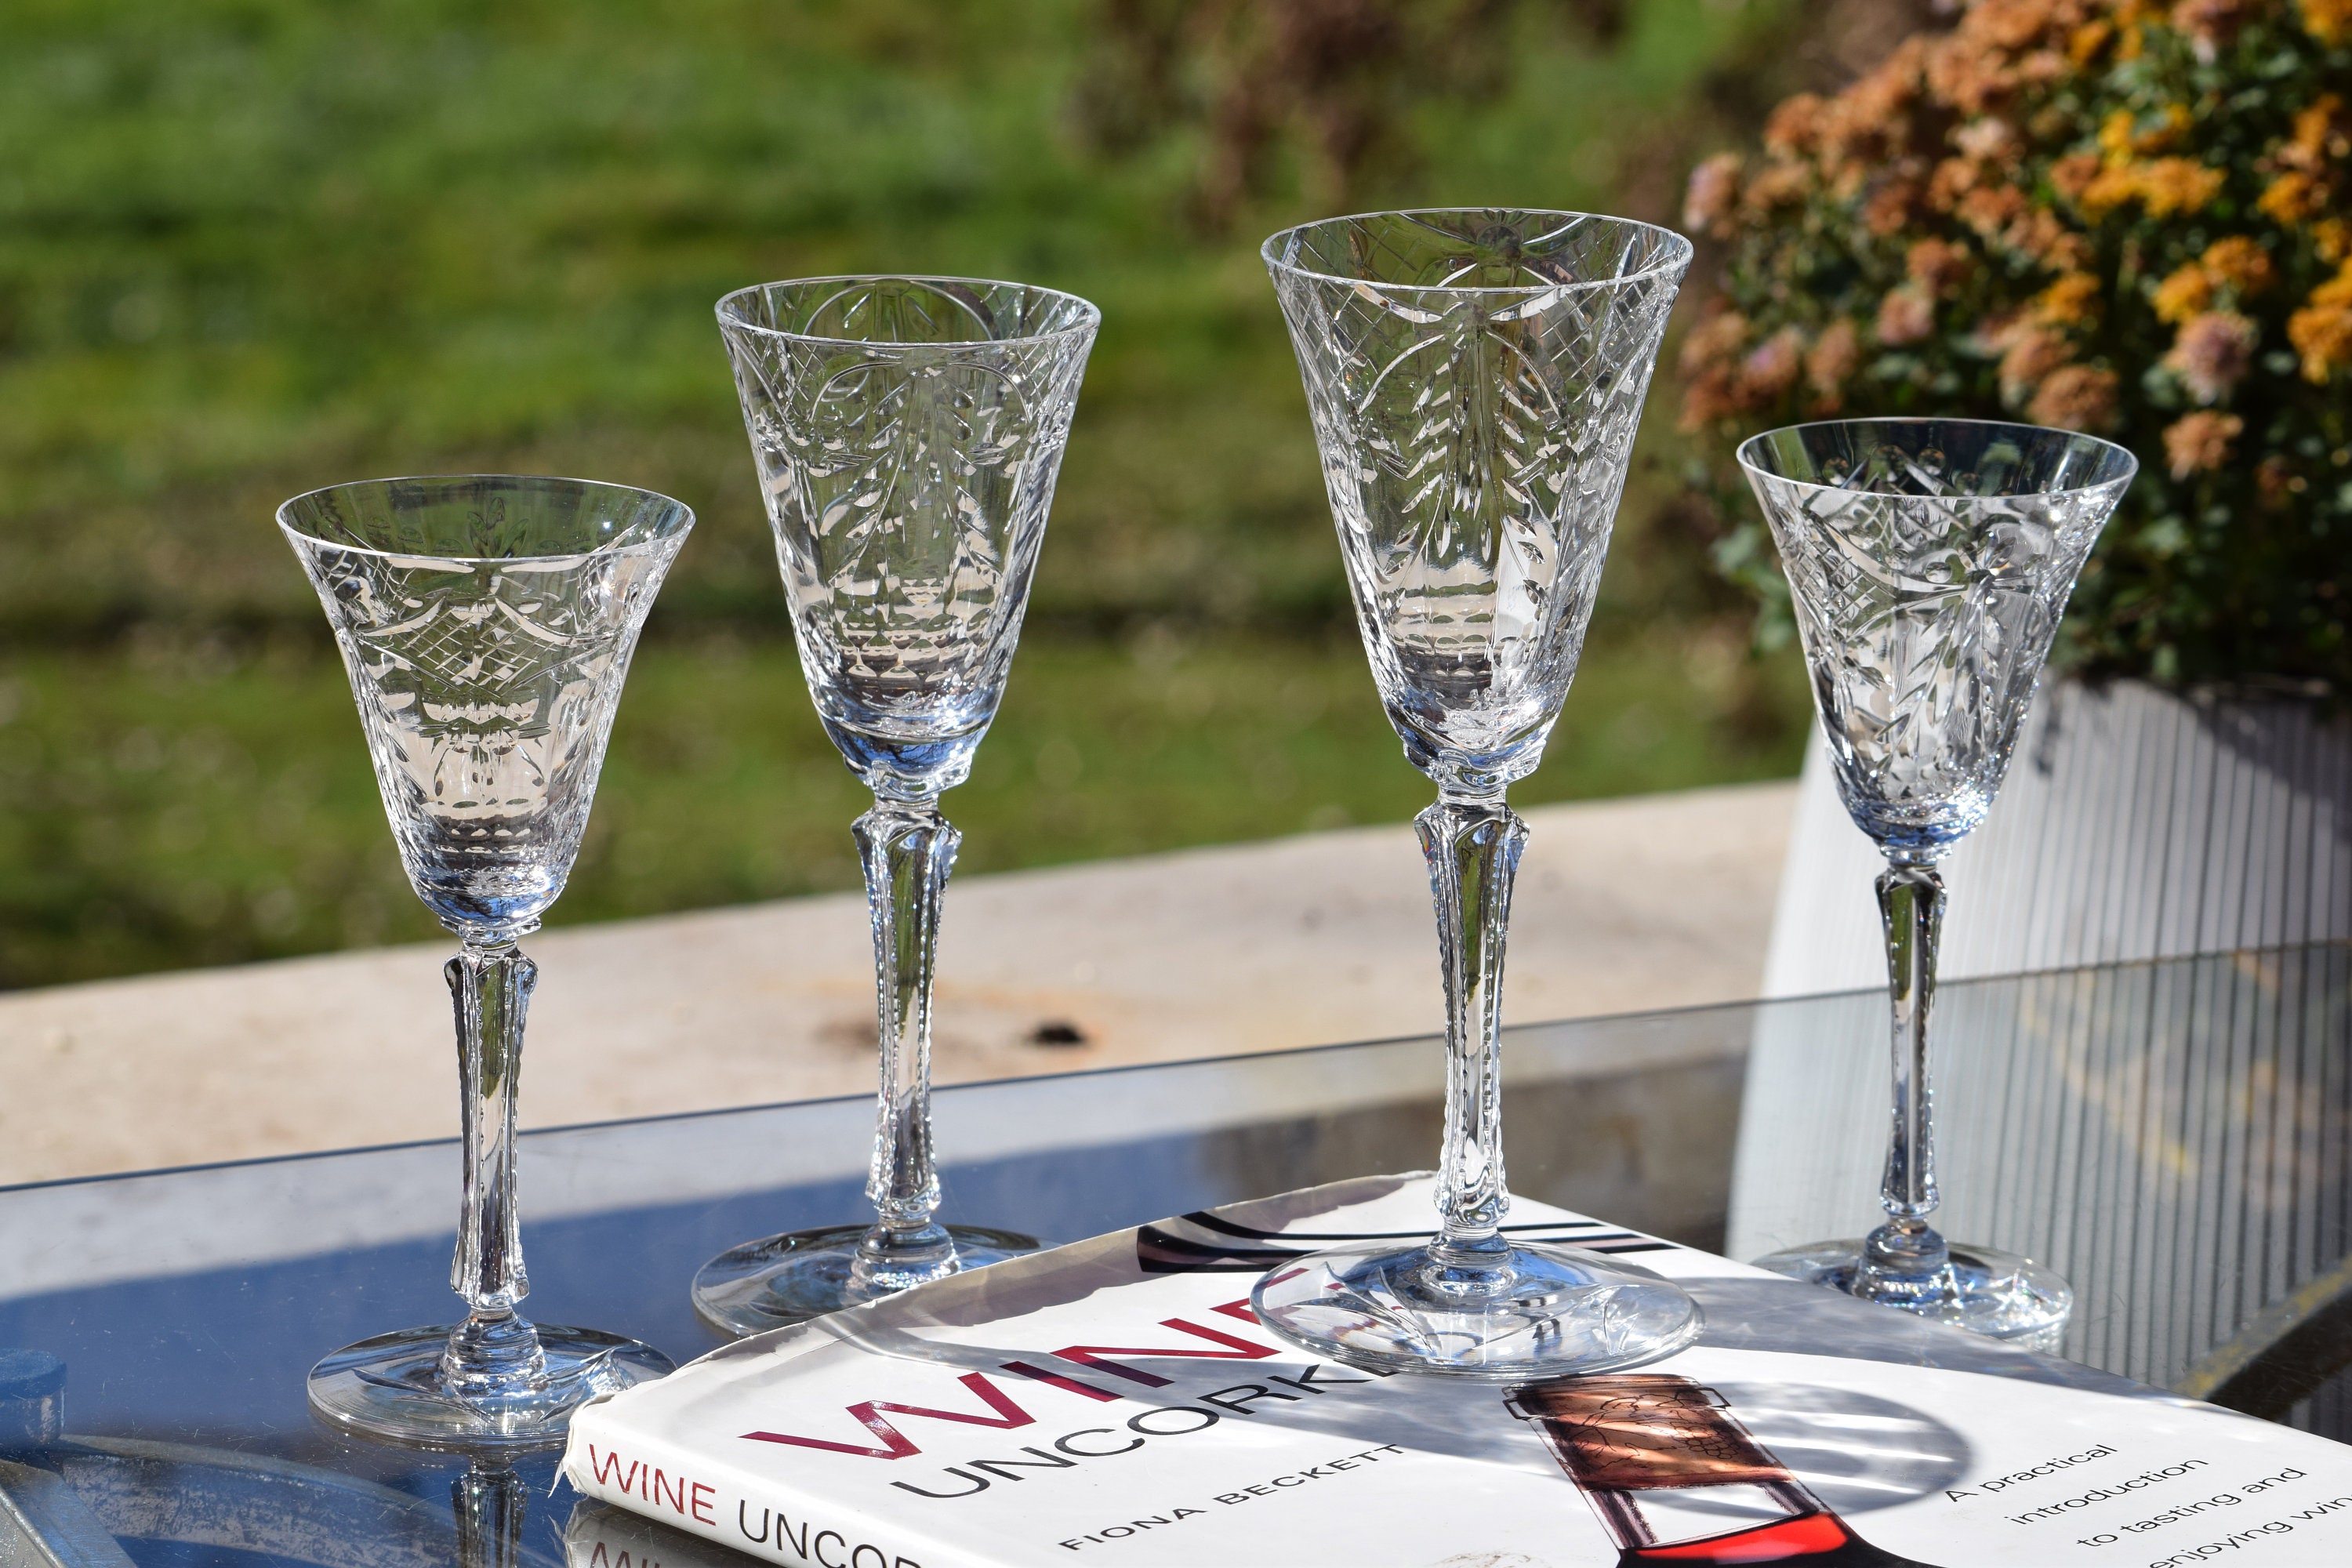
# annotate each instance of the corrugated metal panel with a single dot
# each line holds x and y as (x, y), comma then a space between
(2133, 824)
(2175, 1138)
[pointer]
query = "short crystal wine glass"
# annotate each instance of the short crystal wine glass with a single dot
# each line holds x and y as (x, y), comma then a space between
(1475, 379)
(907, 432)
(487, 624)
(1928, 561)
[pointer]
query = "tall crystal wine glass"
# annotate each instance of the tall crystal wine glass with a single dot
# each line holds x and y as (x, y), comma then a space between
(1475, 379)
(907, 433)
(1928, 561)
(486, 623)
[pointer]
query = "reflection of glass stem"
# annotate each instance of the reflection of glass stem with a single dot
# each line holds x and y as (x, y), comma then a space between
(1904, 1261)
(908, 849)
(490, 1503)
(495, 1350)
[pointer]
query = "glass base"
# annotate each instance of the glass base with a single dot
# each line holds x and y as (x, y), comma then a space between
(393, 1389)
(803, 1274)
(1997, 1294)
(1535, 1312)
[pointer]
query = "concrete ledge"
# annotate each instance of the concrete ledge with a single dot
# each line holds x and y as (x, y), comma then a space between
(1655, 902)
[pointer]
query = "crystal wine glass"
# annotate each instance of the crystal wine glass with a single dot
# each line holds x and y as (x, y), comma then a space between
(1475, 379)
(1928, 561)
(486, 623)
(907, 433)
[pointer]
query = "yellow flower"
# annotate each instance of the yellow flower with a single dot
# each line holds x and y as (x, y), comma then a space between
(2329, 21)
(2332, 238)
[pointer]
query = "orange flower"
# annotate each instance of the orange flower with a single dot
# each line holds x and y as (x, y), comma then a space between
(2322, 331)
(2211, 24)
(2182, 295)
(2292, 197)
(1714, 344)
(2329, 21)
(1796, 125)
(2071, 300)
(2032, 356)
(2238, 262)
(2197, 442)
(2332, 238)
(1907, 315)
(1713, 193)
(1990, 209)
(1937, 266)
(2212, 354)
(2074, 398)
(2073, 175)
(1835, 356)
(2170, 185)
(1774, 365)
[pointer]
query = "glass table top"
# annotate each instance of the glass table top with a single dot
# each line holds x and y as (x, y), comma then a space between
(2175, 1138)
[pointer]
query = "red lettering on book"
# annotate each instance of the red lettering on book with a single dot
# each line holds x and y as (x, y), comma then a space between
(896, 1445)
(1056, 1380)
(608, 1466)
(1094, 1355)
(658, 1490)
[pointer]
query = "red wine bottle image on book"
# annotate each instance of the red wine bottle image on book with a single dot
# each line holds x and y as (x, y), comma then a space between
(1677, 1478)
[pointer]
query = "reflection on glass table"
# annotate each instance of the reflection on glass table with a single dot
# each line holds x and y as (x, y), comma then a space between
(2175, 1138)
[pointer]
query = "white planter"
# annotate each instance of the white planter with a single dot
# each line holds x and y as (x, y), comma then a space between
(2133, 824)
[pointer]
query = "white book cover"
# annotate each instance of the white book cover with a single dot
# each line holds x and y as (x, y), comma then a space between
(1115, 1402)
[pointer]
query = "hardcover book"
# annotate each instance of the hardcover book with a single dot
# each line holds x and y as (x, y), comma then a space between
(1116, 1401)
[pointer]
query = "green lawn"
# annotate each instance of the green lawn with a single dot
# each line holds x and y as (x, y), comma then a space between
(251, 246)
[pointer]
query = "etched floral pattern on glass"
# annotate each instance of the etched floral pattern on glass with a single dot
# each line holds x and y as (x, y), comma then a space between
(1929, 561)
(1474, 378)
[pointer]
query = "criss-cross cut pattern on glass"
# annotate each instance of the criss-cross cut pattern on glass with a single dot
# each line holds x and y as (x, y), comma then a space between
(486, 674)
(1476, 380)
(907, 433)
(1926, 591)
(1928, 561)
(487, 624)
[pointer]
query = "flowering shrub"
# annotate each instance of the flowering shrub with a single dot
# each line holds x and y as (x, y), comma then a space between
(2103, 215)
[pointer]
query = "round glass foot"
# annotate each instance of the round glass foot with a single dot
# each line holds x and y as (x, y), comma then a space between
(1539, 1311)
(393, 1388)
(803, 1274)
(1997, 1294)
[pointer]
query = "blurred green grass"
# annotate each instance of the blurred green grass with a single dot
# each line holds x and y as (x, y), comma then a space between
(249, 247)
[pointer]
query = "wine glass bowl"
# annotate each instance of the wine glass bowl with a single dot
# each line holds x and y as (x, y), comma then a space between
(487, 624)
(907, 433)
(1475, 379)
(1929, 562)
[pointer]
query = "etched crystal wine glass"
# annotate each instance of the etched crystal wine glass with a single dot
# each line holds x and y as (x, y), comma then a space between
(486, 623)
(1475, 379)
(1928, 561)
(907, 433)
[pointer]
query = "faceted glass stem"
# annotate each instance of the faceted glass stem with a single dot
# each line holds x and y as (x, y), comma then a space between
(909, 850)
(1905, 1260)
(495, 1350)
(1471, 844)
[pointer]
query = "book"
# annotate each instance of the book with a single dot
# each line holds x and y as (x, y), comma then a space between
(1115, 1401)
